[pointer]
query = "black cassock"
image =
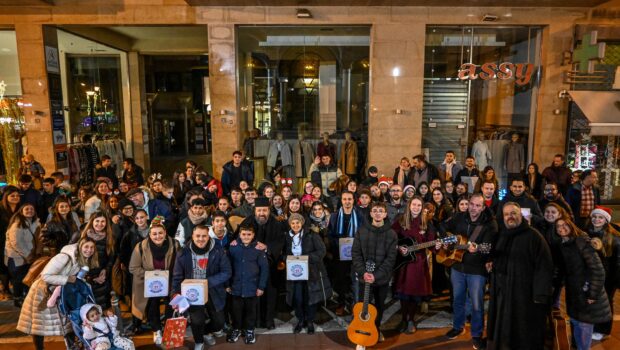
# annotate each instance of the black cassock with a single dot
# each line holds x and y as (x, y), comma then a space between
(521, 289)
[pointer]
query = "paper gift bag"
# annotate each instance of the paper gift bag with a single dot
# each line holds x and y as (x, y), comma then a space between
(297, 268)
(156, 283)
(174, 332)
(196, 291)
(345, 247)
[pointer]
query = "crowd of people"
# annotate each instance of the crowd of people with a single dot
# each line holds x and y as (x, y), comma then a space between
(547, 234)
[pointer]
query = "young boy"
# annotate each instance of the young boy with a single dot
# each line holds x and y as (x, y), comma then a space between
(249, 280)
(98, 329)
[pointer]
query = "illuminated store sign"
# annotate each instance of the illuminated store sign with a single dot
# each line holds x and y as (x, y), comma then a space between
(521, 72)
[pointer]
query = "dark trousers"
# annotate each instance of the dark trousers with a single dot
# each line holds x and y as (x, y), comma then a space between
(244, 312)
(18, 273)
(340, 277)
(378, 295)
(198, 315)
(304, 312)
(153, 313)
(267, 303)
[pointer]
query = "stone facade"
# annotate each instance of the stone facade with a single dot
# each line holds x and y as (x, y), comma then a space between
(397, 40)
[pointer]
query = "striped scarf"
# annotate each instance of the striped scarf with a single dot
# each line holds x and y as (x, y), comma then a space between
(352, 224)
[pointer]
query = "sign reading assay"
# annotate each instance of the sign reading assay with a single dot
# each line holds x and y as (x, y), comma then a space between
(521, 72)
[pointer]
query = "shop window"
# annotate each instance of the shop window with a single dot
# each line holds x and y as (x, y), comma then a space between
(12, 127)
(480, 88)
(303, 81)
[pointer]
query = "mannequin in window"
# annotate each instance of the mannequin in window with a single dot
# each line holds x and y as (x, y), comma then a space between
(514, 158)
(279, 154)
(481, 153)
(326, 147)
(348, 155)
(303, 154)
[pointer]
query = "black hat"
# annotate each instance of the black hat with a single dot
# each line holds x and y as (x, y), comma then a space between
(261, 202)
(125, 202)
(199, 201)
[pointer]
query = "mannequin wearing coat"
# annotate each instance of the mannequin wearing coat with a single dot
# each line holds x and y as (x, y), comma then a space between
(481, 153)
(348, 155)
(280, 154)
(303, 155)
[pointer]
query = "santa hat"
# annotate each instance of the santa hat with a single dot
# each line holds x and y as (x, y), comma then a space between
(385, 180)
(603, 211)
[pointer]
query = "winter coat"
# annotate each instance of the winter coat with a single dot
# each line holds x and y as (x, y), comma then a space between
(466, 172)
(30, 196)
(301, 168)
(185, 230)
(407, 179)
(244, 210)
(521, 289)
(324, 176)
(35, 318)
(535, 190)
(106, 261)
(414, 278)
(379, 245)
(573, 197)
(250, 269)
(461, 224)
(395, 210)
(247, 175)
(560, 175)
(128, 243)
(134, 179)
(285, 154)
(348, 158)
(271, 234)
(417, 176)
(5, 218)
(334, 236)
(586, 281)
(611, 261)
(456, 169)
(109, 172)
(219, 272)
(525, 201)
(93, 204)
(46, 202)
(559, 201)
(56, 234)
(224, 243)
(141, 261)
(20, 243)
(514, 157)
(480, 151)
(319, 287)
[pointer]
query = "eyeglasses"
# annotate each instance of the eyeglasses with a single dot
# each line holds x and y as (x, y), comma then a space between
(377, 211)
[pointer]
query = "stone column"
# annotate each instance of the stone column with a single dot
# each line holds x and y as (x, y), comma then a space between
(31, 53)
(222, 80)
(139, 118)
(397, 82)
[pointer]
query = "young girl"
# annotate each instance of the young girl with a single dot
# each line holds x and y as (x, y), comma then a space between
(98, 329)
(249, 280)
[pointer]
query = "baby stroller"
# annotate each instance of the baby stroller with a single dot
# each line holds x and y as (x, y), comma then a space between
(72, 297)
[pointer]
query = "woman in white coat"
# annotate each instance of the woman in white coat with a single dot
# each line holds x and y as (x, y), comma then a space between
(35, 317)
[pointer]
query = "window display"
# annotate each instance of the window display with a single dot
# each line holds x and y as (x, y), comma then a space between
(479, 95)
(304, 84)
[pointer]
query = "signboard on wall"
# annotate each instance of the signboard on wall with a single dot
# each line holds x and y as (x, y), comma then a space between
(520, 72)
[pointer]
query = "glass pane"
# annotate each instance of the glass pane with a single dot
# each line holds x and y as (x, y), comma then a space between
(9, 65)
(312, 79)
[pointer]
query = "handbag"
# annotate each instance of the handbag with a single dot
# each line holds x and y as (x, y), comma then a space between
(35, 270)
(174, 332)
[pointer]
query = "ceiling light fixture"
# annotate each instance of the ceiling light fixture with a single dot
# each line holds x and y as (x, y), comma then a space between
(304, 13)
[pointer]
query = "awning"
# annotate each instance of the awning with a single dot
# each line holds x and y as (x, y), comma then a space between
(602, 108)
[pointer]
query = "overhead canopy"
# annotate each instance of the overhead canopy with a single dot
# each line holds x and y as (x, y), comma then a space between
(602, 108)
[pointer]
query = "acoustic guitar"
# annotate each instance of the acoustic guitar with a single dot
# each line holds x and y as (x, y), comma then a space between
(456, 252)
(412, 247)
(362, 330)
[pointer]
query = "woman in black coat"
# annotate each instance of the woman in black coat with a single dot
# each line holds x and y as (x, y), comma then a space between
(305, 296)
(63, 226)
(586, 300)
(534, 181)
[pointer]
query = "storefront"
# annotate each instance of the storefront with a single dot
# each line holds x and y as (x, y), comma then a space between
(12, 130)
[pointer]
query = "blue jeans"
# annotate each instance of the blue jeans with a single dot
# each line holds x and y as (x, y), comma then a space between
(582, 334)
(473, 286)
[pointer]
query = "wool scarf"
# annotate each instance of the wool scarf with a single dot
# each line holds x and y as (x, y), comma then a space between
(96, 236)
(196, 219)
(352, 224)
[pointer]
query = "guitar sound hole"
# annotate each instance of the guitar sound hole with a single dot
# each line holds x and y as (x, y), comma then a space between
(364, 317)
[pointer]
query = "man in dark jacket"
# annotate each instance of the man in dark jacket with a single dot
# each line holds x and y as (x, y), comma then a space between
(583, 197)
(527, 203)
(270, 237)
(469, 170)
(396, 205)
(48, 196)
(375, 244)
(153, 207)
(203, 259)
(247, 208)
(469, 276)
(551, 194)
(235, 171)
(521, 285)
(488, 193)
(106, 169)
(558, 173)
(423, 171)
(27, 192)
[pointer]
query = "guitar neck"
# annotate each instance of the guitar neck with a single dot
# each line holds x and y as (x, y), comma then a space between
(366, 298)
(424, 245)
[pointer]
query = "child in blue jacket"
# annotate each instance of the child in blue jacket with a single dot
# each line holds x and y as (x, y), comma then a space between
(249, 280)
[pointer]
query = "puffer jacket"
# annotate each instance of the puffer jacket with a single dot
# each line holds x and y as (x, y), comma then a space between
(20, 243)
(250, 269)
(35, 317)
(324, 176)
(585, 281)
(379, 245)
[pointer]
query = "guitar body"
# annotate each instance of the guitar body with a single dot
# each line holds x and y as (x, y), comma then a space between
(451, 257)
(363, 331)
(402, 260)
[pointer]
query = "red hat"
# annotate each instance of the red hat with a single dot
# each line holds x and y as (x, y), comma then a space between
(385, 180)
(603, 211)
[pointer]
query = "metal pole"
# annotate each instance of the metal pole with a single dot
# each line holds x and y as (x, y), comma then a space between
(186, 131)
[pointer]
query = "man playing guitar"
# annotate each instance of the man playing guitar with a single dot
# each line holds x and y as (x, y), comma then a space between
(469, 276)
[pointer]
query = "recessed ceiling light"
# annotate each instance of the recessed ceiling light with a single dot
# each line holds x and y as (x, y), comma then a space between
(508, 15)
(4, 49)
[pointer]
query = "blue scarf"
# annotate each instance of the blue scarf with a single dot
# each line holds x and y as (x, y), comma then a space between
(352, 224)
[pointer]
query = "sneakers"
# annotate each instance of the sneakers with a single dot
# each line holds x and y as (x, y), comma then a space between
(209, 339)
(233, 336)
(410, 328)
(219, 334)
(597, 336)
(453, 333)
(478, 343)
(250, 338)
(157, 337)
(310, 328)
